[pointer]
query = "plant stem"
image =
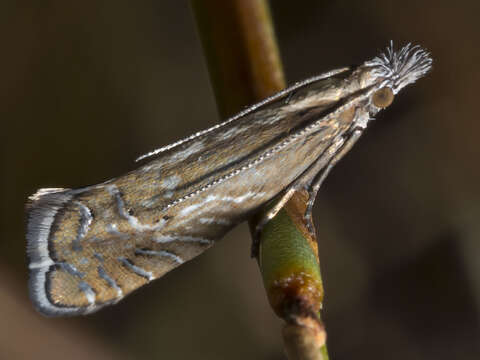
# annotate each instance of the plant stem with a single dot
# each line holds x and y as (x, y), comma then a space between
(245, 67)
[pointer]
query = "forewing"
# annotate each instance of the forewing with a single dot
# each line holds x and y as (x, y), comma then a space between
(84, 254)
(91, 247)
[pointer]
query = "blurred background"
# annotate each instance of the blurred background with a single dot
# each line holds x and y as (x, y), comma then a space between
(86, 87)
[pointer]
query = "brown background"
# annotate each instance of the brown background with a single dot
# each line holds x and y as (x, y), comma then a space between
(85, 87)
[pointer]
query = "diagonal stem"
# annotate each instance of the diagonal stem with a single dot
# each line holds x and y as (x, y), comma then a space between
(245, 67)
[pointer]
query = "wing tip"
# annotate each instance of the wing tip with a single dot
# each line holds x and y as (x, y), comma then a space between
(38, 286)
(38, 289)
(42, 208)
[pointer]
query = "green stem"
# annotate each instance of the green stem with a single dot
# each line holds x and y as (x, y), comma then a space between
(245, 67)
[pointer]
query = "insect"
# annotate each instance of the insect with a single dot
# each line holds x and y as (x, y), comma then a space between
(90, 247)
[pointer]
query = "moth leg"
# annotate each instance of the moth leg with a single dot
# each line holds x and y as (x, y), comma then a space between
(311, 182)
(318, 180)
(265, 218)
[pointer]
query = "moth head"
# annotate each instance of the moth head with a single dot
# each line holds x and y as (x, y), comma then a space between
(391, 71)
(397, 69)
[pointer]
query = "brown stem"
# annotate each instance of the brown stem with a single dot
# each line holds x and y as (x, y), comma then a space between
(245, 67)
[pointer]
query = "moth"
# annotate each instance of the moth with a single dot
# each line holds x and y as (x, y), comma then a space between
(90, 247)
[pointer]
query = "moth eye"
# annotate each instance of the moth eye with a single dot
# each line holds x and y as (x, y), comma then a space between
(383, 97)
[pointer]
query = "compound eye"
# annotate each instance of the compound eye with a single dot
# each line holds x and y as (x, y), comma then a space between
(383, 97)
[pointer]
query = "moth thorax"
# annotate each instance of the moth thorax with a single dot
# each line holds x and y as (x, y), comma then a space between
(383, 97)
